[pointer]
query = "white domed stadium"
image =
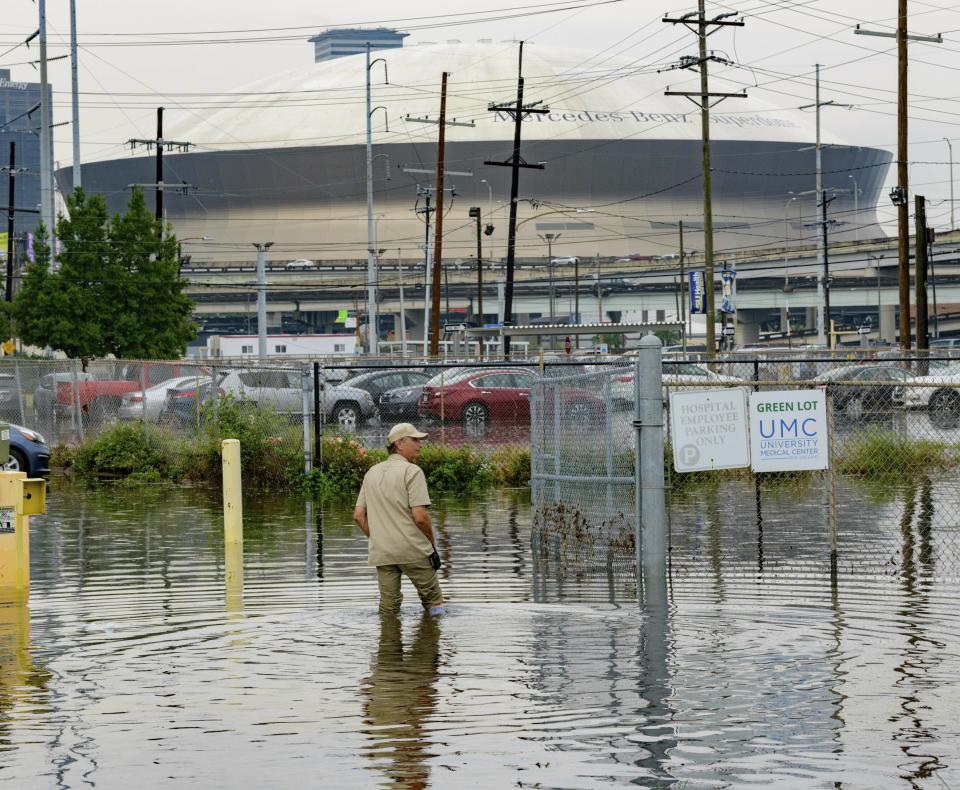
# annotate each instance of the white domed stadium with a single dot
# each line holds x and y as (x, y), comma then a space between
(285, 160)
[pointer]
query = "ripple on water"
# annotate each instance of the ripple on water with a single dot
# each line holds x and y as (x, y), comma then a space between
(135, 659)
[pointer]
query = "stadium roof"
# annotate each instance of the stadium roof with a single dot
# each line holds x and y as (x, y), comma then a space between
(591, 96)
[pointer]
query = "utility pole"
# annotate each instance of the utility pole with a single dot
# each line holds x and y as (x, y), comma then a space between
(75, 94)
(931, 237)
(403, 314)
(518, 112)
(443, 123)
(599, 293)
(823, 318)
(426, 211)
(920, 274)
(159, 143)
(683, 298)
(11, 183)
(697, 23)
(438, 225)
(902, 188)
(262, 300)
(47, 203)
(373, 321)
(474, 213)
(576, 297)
(12, 171)
(825, 277)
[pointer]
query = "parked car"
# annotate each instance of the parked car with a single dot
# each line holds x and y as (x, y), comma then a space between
(500, 394)
(150, 403)
(938, 392)
(684, 375)
(28, 452)
(567, 260)
(48, 407)
(10, 400)
(277, 389)
(401, 402)
(300, 264)
(377, 382)
(183, 404)
(861, 389)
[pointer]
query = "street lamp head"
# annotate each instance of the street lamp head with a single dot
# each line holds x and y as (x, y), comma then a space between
(474, 212)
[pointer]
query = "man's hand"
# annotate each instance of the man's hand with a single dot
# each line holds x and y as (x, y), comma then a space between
(360, 516)
(421, 516)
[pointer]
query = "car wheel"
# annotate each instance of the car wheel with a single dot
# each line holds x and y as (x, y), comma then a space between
(347, 415)
(17, 462)
(853, 408)
(475, 413)
(945, 406)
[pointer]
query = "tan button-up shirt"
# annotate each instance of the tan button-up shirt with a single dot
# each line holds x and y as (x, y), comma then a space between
(389, 490)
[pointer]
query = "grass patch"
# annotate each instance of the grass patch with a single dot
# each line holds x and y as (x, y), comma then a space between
(511, 466)
(885, 455)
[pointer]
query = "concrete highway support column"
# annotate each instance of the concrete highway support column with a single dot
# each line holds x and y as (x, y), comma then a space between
(888, 323)
(810, 318)
(784, 320)
(748, 327)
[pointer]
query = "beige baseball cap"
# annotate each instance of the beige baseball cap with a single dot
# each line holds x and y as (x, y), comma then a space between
(402, 430)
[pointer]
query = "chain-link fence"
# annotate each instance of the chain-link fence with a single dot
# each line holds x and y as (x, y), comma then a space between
(285, 408)
(889, 501)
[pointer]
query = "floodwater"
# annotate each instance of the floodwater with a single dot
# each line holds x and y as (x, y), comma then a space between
(143, 659)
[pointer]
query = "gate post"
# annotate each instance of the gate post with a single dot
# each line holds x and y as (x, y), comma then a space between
(650, 501)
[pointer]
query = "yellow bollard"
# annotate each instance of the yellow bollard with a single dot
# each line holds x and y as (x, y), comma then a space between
(233, 577)
(20, 498)
(232, 492)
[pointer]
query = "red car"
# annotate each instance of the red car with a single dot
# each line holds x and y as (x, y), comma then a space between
(502, 394)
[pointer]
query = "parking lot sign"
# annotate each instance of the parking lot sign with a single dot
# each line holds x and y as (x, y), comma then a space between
(708, 429)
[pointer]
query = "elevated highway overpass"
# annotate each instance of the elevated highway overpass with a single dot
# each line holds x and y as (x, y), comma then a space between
(863, 282)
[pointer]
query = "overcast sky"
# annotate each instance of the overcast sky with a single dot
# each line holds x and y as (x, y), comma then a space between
(775, 53)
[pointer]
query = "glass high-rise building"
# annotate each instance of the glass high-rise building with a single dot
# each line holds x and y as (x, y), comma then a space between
(20, 124)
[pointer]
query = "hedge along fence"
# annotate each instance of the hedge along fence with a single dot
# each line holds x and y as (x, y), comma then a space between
(272, 458)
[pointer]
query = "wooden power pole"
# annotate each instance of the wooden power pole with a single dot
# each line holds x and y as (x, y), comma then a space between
(901, 192)
(697, 23)
(518, 112)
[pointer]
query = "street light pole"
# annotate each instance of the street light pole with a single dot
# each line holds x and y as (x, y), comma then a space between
(549, 238)
(262, 299)
(950, 149)
(403, 314)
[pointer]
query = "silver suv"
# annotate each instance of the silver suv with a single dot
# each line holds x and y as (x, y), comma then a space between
(282, 391)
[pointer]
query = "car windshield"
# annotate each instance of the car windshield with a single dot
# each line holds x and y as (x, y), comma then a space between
(451, 376)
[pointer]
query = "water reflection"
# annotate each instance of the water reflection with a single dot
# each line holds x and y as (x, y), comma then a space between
(400, 697)
(727, 677)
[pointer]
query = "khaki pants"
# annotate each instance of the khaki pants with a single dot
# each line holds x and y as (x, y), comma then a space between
(423, 576)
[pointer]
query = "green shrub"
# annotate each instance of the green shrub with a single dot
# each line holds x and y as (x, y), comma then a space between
(511, 466)
(123, 450)
(454, 469)
(344, 463)
(271, 454)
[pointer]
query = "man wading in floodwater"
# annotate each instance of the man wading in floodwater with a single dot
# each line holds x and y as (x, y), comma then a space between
(392, 512)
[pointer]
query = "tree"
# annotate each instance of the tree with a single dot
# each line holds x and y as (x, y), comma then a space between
(117, 289)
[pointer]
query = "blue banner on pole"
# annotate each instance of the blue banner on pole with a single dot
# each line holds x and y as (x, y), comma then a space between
(698, 295)
(727, 276)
